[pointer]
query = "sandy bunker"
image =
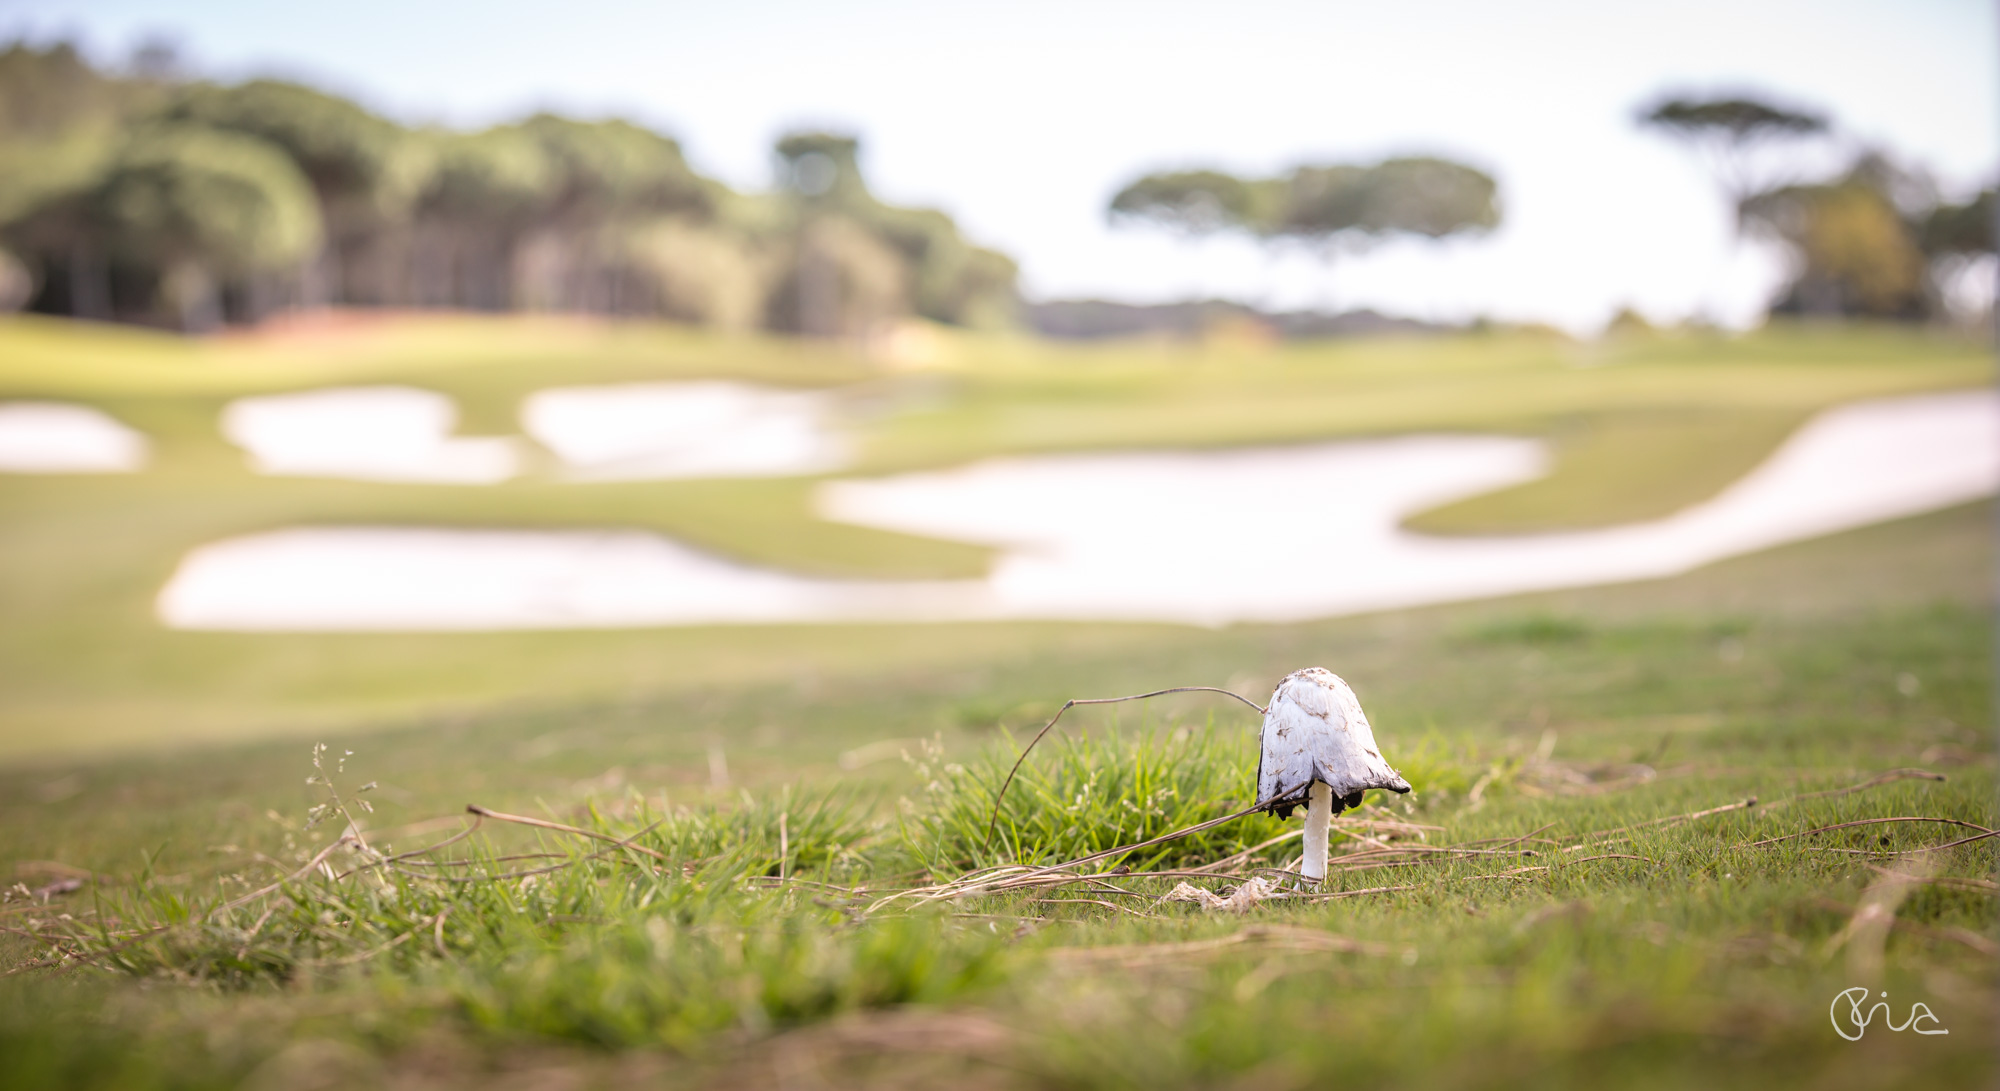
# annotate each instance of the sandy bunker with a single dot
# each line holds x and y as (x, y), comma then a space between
(367, 433)
(636, 431)
(651, 431)
(1314, 533)
(56, 438)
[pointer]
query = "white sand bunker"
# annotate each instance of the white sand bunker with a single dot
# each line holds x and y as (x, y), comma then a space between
(383, 578)
(368, 433)
(1286, 535)
(1267, 535)
(53, 438)
(676, 430)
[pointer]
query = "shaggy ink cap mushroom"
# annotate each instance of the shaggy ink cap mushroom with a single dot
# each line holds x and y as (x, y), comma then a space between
(1318, 750)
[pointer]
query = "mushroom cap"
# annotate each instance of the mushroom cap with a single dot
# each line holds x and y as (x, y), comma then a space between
(1314, 730)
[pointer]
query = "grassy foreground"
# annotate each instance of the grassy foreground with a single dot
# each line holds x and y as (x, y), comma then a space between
(763, 932)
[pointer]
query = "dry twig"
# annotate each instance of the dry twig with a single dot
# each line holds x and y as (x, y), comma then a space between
(316, 861)
(524, 820)
(1983, 831)
(1330, 895)
(1890, 777)
(1098, 901)
(1596, 837)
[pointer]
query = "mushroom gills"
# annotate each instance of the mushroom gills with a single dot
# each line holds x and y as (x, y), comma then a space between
(1318, 750)
(1314, 730)
(1344, 803)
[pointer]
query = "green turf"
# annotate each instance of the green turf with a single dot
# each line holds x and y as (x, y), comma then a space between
(1613, 468)
(169, 768)
(1771, 675)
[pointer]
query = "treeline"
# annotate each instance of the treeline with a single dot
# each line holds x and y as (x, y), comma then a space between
(1327, 205)
(138, 196)
(1875, 239)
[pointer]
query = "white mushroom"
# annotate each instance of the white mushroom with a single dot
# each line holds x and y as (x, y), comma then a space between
(1318, 750)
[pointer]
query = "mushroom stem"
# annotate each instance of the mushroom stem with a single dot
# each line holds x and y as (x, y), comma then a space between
(1319, 816)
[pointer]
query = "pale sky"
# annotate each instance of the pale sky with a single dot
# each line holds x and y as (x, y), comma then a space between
(1022, 118)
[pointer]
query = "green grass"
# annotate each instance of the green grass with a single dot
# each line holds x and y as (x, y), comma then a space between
(1771, 675)
(1623, 468)
(169, 768)
(1019, 399)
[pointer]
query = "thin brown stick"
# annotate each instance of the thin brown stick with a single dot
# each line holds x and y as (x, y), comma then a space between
(92, 956)
(1060, 880)
(22, 907)
(598, 855)
(1001, 878)
(1354, 819)
(1171, 874)
(1292, 872)
(1051, 882)
(437, 931)
(1950, 844)
(1017, 917)
(1246, 854)
(50, 962)
(1876, 822)
(1889, 777)
(993, 822)
(1529, 836)
(243, 952)
(560, 828)
(411, 829)
(404, 866)
(1093, 883)
(469, 863)
(1095, 901)
(1341, 893)
(502, 877)
(796, 881)
(1378, 865)
(1162, 839)
(1421, 851)
(1506, 841)
(1910, 852)
(478, 820)
(315, 862)
(1743, 804)
(368, 954)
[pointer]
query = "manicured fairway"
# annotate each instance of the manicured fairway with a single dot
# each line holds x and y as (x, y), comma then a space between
(88, 667)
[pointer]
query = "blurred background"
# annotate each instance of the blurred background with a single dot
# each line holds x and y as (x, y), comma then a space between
(366, 371)
(658, 160)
